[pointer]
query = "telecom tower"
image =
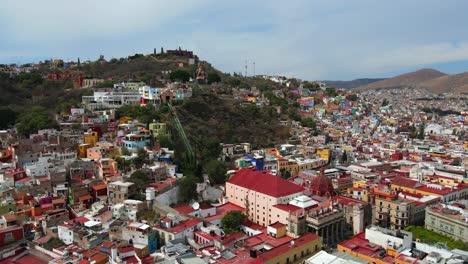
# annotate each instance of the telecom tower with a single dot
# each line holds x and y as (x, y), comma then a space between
(245, 68)
(254, 69)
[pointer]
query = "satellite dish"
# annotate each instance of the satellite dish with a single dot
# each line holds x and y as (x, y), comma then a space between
(195, 206)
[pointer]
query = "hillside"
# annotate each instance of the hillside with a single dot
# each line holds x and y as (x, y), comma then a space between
(211, 117)
(353, 83)
(407, 79)
(448, 83)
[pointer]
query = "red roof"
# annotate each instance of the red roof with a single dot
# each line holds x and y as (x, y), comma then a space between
(126, 249)
(361, 245)
(222, 210)
(268, 184)
(287, 207)
(277, 225)
(25, 179)
(85, 197)
(182, 226)
(184, 209)
(348, 200)
(405, 182)
(443, 191)
(80, 220)
(99, 187)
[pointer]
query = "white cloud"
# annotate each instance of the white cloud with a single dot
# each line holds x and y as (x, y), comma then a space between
(68, 21)
(415, 56)
(307, 39)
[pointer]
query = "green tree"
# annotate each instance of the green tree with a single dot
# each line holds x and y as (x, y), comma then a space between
(420, 134)
(140, 179)
(213, 78)
(34, 119)
(308, 122)
(105, 84)
(53, 243)
(216, 171)
(7, 117)
(123, 164)
(188, 188)
(165, 141)
(331, 91)
(143, 114)
(141, 158)
(285, 174)
(232, 221)
(353, 97)
(232, 81)
(456, 161)
(313, 86)
(384, 102)
(124, 151)
(180, 75)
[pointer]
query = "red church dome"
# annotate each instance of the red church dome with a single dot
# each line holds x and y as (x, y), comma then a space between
(321, 185)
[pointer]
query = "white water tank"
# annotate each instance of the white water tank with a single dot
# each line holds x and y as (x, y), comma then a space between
(150, 194)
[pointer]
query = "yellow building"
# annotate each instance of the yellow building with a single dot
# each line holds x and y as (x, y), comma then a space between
(446, 181)
(288, 165)
(293, 252)
(83, 150)
(90, 138)
(159, 129)
(125, 120)
(324, 153)
(391, 212)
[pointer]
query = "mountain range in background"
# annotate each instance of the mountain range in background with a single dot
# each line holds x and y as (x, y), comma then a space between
(352, 84)
(428, 79)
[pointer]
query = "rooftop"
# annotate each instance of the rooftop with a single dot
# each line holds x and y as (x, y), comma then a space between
(264, 183)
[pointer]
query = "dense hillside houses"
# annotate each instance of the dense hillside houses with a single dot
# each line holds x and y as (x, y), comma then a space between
(369, 177)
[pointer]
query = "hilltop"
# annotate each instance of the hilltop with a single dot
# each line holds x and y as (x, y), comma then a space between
(447, 83)
(407, 79)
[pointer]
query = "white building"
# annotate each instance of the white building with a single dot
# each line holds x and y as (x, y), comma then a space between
(37, 169)
(110, 99)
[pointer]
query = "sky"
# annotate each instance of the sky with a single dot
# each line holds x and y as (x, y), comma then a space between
(310, 39)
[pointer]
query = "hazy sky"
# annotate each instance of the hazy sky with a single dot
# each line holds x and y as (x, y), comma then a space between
(308, 39)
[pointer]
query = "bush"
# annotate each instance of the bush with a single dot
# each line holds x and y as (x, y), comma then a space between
(232, 221)
(180, 75)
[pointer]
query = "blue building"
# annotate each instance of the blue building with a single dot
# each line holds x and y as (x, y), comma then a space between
(136, 140)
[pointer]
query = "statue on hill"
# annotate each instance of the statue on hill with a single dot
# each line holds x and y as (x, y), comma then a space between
(201, 76)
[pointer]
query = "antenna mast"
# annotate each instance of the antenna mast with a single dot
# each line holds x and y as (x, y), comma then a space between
(245, 68)
(254, 68)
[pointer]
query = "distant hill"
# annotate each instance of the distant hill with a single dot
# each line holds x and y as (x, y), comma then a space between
(407, 79)
(352, 84)
(447, 83)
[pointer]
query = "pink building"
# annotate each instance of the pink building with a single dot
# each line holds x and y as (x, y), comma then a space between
(95, 153)
(107, 168)
(258, 192)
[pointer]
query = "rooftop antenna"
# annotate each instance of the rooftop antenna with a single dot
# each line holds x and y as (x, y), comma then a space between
(245, 68)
